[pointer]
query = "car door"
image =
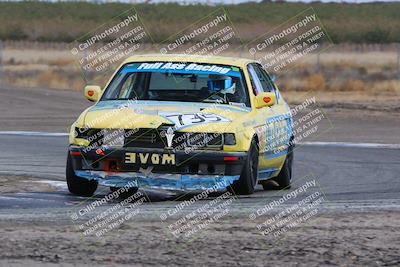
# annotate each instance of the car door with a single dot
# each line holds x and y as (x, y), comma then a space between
(281, 120)
(272, 133)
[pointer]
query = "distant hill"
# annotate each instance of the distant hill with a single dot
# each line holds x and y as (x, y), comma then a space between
(66, 21)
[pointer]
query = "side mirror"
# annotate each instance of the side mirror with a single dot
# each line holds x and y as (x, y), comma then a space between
(92, 92)
(265, 99)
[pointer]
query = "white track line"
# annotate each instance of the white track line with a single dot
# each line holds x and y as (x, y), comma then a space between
(350, 144)
(56, 184)
(328, 144)
(25, 133)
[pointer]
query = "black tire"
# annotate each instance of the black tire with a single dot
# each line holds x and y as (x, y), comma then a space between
(248, 178)
(125, 194)
(284, 177)
(76, 185)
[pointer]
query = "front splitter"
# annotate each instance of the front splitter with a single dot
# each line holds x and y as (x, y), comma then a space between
(176, 182)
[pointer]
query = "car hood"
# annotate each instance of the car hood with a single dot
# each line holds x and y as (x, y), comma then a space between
(153, 114)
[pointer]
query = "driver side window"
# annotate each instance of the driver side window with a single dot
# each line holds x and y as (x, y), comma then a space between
(266, 82)
(255, 81)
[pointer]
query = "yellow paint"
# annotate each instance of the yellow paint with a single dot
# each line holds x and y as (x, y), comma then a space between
(243, 124)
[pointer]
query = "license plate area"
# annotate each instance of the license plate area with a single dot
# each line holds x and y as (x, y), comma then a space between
(149, 159)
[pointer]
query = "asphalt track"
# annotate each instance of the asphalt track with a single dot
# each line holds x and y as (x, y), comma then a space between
(349, 175)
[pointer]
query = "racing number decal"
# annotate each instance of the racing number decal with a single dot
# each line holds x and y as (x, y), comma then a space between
(196, 119)
(181, 120)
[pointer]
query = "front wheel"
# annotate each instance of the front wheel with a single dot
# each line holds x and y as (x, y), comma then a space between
(76, 185)
(248, 178)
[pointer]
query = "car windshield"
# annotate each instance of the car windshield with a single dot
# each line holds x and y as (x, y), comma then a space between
(186, 82)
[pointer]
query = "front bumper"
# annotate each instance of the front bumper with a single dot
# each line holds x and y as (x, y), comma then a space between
(197, 170)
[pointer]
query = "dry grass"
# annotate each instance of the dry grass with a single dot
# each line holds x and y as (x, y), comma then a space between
(44, 78)
(337, 71)
(52, 79)
(316, 82)
(61, 62)
(378, 100)
(390, 85)
(348, 85)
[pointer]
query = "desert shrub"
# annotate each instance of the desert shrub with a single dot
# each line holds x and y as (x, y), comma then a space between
(353, 85)
(385, 86)
(315, 82)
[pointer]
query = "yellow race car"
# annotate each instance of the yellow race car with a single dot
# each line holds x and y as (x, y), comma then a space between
(183, 123)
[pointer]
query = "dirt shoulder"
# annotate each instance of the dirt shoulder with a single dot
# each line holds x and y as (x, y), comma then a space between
(21, 184)
(358, 239)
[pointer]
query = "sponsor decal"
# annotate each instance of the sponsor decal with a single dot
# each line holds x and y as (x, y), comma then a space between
(183, 68)
(149, 158)
(177, 66)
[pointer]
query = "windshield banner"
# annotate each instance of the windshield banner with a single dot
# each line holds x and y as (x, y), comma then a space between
(182, 68)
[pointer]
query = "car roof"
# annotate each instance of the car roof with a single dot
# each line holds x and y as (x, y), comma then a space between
(232, 61)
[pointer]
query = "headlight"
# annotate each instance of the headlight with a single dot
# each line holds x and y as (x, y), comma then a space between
(80, 133)
(98, 137)
(87, 133)
(229, 139)
(211, 140)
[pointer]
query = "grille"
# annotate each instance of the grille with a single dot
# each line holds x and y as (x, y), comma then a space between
(145, 138)
(155, 138)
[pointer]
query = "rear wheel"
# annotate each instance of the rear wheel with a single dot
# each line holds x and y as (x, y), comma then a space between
(76, 185)
(248, 179)
(284, 177)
